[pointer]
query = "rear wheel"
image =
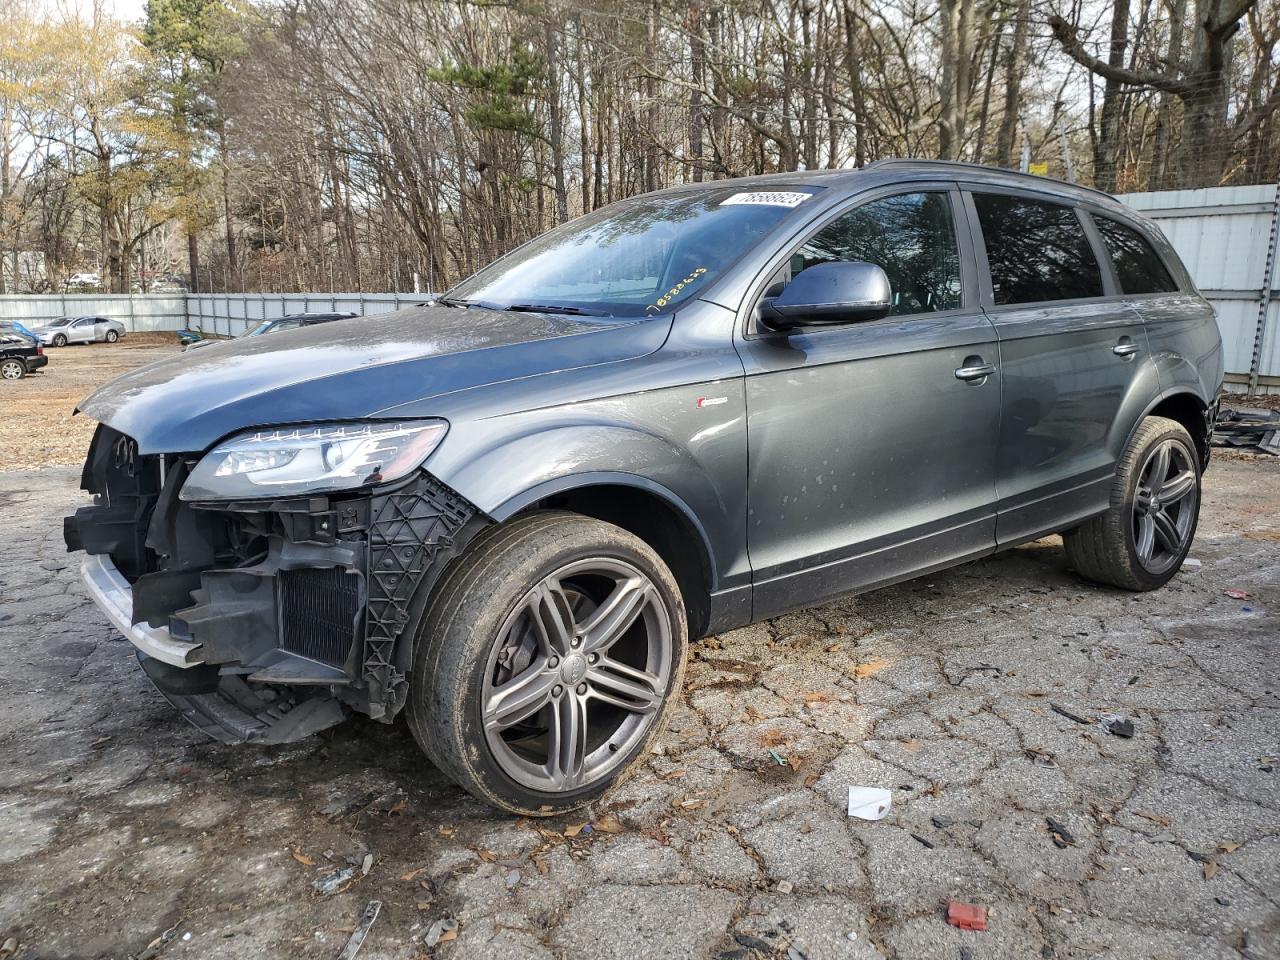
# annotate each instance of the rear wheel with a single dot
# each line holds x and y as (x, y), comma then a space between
(112, 336)
(60, 340)
(548, 662)
(11, 369)
(1142, 539)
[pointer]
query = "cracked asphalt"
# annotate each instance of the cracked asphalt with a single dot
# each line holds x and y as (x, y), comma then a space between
(123, 833)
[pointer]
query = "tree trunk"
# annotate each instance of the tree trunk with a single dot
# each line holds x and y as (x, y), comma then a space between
(957, 62)
(193, 261)
(1007, 135)
(556, 113)
(1107, 149)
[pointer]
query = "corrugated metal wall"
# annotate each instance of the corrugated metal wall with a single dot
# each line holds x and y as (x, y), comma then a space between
(224, 313)
(1227, 237)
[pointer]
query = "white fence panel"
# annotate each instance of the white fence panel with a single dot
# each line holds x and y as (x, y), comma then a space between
(1227, 237)
(137, 312)
(230, 314)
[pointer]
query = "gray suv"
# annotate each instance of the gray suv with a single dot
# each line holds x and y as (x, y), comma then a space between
(505, 513)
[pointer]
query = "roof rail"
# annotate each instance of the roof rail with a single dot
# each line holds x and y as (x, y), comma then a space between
(961, 165)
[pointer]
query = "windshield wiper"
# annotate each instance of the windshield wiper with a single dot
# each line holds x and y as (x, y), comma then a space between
(555, 308)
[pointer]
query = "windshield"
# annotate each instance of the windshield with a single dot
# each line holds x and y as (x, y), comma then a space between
(258, 328)
(638, 257)
(61, 321)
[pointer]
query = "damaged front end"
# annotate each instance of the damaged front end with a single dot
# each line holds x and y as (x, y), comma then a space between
(261, 619)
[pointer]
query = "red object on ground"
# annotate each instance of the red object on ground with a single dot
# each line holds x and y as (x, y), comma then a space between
(966, 916)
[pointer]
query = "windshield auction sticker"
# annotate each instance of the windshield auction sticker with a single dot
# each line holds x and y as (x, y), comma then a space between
(694, 276)
(773, 198)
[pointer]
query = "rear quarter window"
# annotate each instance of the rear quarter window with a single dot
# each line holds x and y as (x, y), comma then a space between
(1037, 251)
(1138, 267)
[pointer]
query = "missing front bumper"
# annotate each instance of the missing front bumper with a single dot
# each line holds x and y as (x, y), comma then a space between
(315, 596)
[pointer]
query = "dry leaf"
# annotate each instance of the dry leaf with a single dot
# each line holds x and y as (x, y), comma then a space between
(447, 831)
(425, 904)
(817, 697)
(869, 669)
(772, 738)
(753, 713)
(834, 648)
(1210, 870)
(1157, 818)
(448, 935)
(488, 856)
(411, 875)
(397, 807)
(811, 779)
(689, 803)
(671, 775)
(795, 762)
(302, 858)
(609, 824)
(574, 830)
(1228, 847)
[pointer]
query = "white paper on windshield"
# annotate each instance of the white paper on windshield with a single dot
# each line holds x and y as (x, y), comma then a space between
(771, 198)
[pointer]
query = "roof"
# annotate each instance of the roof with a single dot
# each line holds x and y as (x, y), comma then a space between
(885, 169)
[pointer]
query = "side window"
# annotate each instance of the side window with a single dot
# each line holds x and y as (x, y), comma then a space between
(1138, 267)
(911, 236)
(1036, 251)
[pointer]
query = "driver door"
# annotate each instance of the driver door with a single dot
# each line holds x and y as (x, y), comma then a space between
(82, 330)
(872, 445)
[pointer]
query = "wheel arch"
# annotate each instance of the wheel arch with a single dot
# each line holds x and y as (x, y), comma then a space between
(644, 508)
(1187, 408)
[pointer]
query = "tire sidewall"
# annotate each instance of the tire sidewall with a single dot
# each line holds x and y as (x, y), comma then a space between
(454, 696)
(1147, 579)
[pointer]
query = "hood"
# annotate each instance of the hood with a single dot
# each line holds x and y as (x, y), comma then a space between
(352, 369)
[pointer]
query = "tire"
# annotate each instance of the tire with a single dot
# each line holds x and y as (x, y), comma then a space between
(12, 369)
(60, 340)
(112, 336)
(478, 644)
(1142, 539)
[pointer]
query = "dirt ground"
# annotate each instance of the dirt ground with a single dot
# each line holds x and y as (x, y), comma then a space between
(976, 696)
(38, 428)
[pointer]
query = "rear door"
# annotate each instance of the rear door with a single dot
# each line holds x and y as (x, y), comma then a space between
(1071, 353)
(872, 445)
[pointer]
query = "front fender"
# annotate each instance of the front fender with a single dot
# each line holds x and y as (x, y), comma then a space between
(508, 473)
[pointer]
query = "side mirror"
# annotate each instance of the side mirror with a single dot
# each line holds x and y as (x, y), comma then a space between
(830, 293)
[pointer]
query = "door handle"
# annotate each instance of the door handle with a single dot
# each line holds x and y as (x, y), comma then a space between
(1125, 348)
(975, 370)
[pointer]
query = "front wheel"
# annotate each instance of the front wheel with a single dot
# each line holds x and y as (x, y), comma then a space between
(60, 340)
(13, 369)
(112, 336)
(1142, 539)
(548, 662)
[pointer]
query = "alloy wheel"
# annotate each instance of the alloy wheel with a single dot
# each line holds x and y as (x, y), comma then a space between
(1164, 506)
(11, 370)
(577, 675)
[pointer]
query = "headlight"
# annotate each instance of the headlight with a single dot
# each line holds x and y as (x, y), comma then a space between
(315, 458)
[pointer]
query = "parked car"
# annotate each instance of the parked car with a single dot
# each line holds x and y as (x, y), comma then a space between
(91, 329)
(505, 514)
(86, 279)
(292, 321)
(19, 355)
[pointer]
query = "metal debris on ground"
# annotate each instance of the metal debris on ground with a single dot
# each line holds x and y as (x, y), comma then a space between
(869, 803)
(1248, 427)
(331, 883)
(966, 916)
(442, 931)
(356, 940)
(1117, 725)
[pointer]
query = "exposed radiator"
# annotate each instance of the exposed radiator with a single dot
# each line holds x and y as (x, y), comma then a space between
(318, 610)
